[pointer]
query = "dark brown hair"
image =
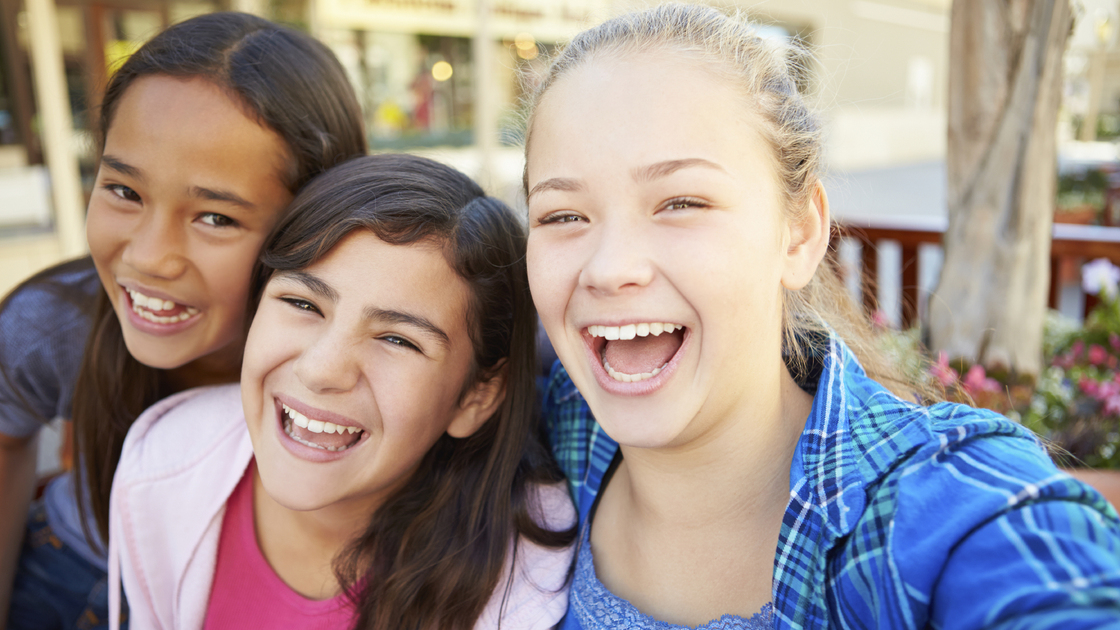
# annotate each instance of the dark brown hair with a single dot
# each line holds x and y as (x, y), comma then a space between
(432, 555)
(292, 85)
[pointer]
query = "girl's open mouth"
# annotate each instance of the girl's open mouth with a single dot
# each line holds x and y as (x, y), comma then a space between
(326, 436)
(636, 352)
(157, 310)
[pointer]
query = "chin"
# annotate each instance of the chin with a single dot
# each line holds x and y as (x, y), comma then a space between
(291, 490)
(153, 357)
(633, 426)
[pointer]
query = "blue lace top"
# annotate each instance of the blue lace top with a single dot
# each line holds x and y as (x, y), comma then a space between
(592, 607)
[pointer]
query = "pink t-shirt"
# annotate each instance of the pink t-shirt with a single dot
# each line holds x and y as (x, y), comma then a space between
(247, 593)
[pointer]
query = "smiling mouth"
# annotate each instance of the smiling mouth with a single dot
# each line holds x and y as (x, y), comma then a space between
(159, 311)
(326, 436)
(636, 352)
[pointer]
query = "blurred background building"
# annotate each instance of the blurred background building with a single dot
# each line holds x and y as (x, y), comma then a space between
(446, 78)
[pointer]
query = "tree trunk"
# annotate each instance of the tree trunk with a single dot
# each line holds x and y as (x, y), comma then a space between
(1005, 83)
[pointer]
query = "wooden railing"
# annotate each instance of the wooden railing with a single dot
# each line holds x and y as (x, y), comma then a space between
(1070, 243)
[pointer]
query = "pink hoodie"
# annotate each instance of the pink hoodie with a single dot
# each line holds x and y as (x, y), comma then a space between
(168, 500)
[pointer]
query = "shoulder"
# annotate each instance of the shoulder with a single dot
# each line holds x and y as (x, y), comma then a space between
(954, 462)
(552, 507)
(43, 328)
(533, 590)
(180, 462)
(957, 448)
(894, 439)
(946, 489)
(61, 293)
(182, 430)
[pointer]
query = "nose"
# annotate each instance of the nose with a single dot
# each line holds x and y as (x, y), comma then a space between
(156, 246)
(328, 364)
(621, 259)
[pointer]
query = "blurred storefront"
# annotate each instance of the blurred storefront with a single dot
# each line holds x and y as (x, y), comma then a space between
(416, 68)
(414, 63)
(443, 77)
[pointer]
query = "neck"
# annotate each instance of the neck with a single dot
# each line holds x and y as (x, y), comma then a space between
(738, 471)
(216, 368)
(301, 545)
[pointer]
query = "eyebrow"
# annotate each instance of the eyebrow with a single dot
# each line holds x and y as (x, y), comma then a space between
(122, 168)
(408, 319)
(641, 174)
(311, 283)
(564, 184)
(211, 194)
(668, 167)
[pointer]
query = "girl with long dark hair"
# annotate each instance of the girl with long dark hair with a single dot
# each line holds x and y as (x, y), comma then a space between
(206, 133)
(380, 466)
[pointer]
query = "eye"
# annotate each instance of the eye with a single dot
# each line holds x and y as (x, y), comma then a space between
(301, 304)
(124, 192)
(400, 341)
(561, 218)
(217, 220)
(685, 203)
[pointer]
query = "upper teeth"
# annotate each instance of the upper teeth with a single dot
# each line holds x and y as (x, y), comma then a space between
(144, 305)
(630, 331)
(316, 426)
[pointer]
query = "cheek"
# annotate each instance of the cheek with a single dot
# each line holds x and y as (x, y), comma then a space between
(416, 402)
(549, 278)
(265, 350)
(103, 233)
(228, 278)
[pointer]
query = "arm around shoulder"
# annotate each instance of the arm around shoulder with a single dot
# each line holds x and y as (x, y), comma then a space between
(1045, 564)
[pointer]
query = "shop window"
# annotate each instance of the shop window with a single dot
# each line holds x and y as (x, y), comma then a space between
(415, 90)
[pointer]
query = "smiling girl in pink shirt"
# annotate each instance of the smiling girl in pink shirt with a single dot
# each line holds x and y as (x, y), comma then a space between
(380, 466)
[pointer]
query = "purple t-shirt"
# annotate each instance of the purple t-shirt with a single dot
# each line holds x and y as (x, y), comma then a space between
(43, 333)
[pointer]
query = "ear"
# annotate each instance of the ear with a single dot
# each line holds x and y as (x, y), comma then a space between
(808, 241)
(480, 403)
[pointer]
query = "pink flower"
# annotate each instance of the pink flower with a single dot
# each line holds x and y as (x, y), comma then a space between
(1097, 354)
(879, 319)
(1114, 341)
(976, 380)
(942, 372)
(1089, 386)
(1077, 349)
(1064, 361)
(1108, 389)
(1112, 406)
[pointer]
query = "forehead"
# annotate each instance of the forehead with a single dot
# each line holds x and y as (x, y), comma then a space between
(652, 106)
(415, 277)
(161, 119)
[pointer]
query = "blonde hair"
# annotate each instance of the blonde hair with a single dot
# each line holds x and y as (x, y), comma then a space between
(766, 72)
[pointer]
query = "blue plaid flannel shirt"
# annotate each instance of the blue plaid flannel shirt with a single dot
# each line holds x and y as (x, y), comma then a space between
(902, 516)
